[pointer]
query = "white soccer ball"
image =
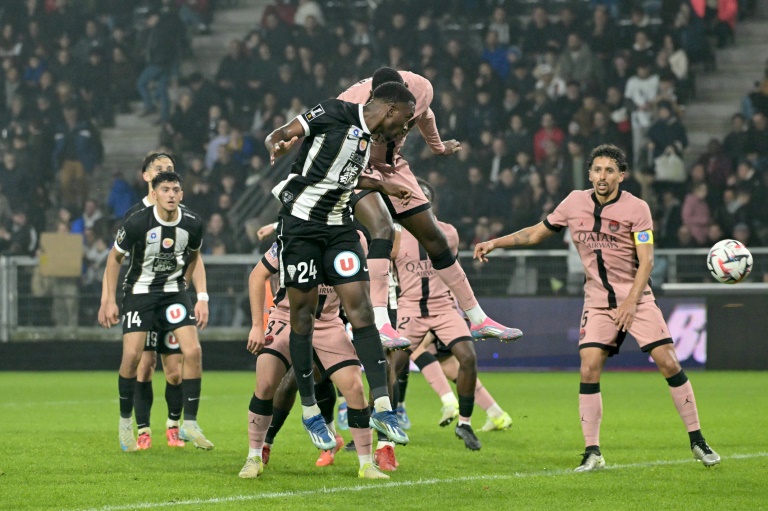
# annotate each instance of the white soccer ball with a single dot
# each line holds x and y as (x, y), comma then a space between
(729, 261)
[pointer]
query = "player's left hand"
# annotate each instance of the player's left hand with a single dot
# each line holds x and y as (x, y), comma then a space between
(264, 231)
(256, 340)
(280, 149)
(451, 147)
(201, 313)
(625, 315)
(402, 192)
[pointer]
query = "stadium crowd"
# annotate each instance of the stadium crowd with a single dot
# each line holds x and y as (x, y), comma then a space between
(527, 96)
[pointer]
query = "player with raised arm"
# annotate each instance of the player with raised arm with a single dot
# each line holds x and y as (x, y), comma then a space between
(612, 230)
(163, 342)
(164, 243)
(376, 211)
(335, 357)
(318, 244)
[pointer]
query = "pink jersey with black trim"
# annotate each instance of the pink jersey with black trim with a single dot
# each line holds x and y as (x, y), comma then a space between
(422, 291)
(328, 303)
(383, 152)
(605, 237)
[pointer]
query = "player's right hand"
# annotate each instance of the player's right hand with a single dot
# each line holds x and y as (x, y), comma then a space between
(264, 231)
(280, 149)
(109, 315)
(483, 249)
(255, 340)
(451, 147)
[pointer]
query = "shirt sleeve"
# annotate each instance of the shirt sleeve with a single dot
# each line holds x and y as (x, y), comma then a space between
(196, 237)
(642, 228)
(558, 219)
(127, 236)
(322, 118)
(270, 259)
(452, 235)
(428, 130)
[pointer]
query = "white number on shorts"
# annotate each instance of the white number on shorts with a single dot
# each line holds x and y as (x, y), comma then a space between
(133, 317)
(305, 269)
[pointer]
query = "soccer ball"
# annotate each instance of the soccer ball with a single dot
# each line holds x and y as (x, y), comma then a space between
(729, 261)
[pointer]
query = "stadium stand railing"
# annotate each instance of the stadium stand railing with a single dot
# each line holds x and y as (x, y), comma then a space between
(26, 312)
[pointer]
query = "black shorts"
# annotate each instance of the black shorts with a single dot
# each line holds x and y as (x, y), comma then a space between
(312, 253)
(162, 342)
(157, 312)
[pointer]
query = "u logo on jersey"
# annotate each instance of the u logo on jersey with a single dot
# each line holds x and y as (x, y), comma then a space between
(167, 243)
(175, 313)
(170, 341)
(346, 263)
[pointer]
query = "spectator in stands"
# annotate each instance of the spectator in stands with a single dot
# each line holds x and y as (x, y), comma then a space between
(308, 9)
(717, 164)
(218, 231)
(667, 133)
(94, 88)
(19, 238)
(15, 181)
(538, 34)
(568, 104)
(602, 34)
(548, 135)
(223, 132)
(735, 142)
(122, 77)
(231, 75)
(548, 81)
(77, 152)
(670, 219)
(495, 54)
(742, 233)
(92, 214)
(642, 89)
(161, 52)
(5, 208)
(684, 238)
(504, 27)
(696, 213)
(121, 196)
(577, 62)
(619, 72)
(522, 80)
(757, 140)
(574, 164)
(500, 159)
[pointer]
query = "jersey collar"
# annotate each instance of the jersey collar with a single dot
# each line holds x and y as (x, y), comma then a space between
(362, 120)
(615, 199)
(146, 202)
(167, 224)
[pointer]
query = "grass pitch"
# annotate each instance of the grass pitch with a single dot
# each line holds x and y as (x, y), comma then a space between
(59, 450)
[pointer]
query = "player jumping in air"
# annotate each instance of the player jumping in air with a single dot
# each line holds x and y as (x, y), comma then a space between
(164, 242)
(317, 243)
(336, 358)
(376, 211)
(612, 230)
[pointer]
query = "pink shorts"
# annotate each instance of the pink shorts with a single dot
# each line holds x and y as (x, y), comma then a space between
(333, 347)
(400, 174)
(598, 329)
(449, 328)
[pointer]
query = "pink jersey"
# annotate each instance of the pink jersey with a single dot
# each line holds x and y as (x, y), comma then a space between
(605, 237)
(424, 117)
(328, 304)
(422, 292)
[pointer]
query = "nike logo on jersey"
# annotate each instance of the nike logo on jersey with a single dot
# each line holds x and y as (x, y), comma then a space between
(307, 375)
(193, 399)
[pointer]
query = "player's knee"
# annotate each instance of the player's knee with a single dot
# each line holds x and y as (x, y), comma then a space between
(145, 371)
(193, 354)
(465, 354)
(360, 315)
(382, 229)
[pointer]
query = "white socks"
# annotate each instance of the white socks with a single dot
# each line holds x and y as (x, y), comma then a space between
(382, 404)
(308, 412)
(381, 316)
(476, 315)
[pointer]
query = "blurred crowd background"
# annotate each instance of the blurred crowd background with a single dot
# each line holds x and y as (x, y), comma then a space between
(528, 95)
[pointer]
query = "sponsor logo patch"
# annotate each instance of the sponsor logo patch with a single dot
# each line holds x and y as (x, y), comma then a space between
(315, 112)
(175, 313)
(346, 264)
(120, 235)
(354, 134)
(170, 341)
(286, 197)
(613, 226)
(582, 334)
(167, 243)
(643, 237)
(273, 250)
(291, 270)
(164, 263)
(362, 145)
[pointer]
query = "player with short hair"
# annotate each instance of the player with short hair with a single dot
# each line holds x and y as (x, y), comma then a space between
(335, 358)
(376, 211)
(163, 342)
(164, 243)
(612, 230)
(425, 304)
(318, 243)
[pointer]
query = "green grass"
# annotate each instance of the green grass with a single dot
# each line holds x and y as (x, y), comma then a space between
(59, 450)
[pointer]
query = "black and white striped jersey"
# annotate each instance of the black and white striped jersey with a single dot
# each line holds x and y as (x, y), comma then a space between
(331, 158)
(159, 250)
